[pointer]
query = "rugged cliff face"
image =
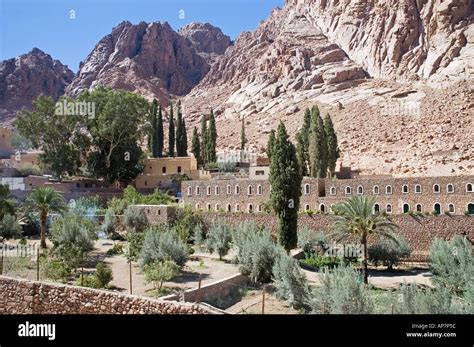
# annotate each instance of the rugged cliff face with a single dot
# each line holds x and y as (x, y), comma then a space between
(26, 77)
(395, 75)
(150, 58)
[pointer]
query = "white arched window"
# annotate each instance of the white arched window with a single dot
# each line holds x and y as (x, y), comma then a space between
(388, 208)
(229, 189)
(259, 190)
(208, 190)
(469, 188)
(198, 190)
(418, 208)
(348, 190)
(229, 208)
(190, 191)
(208, 207)
(376, 208)
(217, 190)
(436, 188)
(450, 188)
(237, 190)
(250, 208)
(376, 190)
(307, 189)
(249, 190)
(405, 189)
(322, 208)
(360, 190)
(451, 208)
(418, 189)
(217, 207)
(388, 190)
(306, 207)
(237, 208)
(333, 191)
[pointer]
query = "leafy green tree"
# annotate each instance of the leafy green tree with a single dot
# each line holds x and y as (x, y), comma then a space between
(171, 133)
(159, 245)
(243, 138)
(7, 205)
(160, 271)
(9, 227)
(135, 219)
(196, 147)
(355, 217)
(388, 252)
(20, 142)
(58, 134)
(159, 134)
(115, 131)
(332, 147)
(285, 180)
(45, 200)
(218, 239)
(317, 150)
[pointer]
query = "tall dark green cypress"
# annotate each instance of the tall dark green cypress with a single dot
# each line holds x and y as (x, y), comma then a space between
(317, 146)
(171, 133)
(212, 138)
(196, 147)
(152, 140)
(184, 139)
(243, 138)
(159, 134)
(333, 149)
(271, 143)
(179, 120)
(285, 180)
(300, 154)
(204, 139)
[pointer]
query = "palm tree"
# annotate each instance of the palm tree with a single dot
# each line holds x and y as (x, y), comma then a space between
(44, 200)
(355, 216)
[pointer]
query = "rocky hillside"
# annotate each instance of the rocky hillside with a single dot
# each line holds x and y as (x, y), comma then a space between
(395, 75)
(24, 78)
(150, 58)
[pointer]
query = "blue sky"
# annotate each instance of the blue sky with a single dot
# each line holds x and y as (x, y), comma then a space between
(46, 24)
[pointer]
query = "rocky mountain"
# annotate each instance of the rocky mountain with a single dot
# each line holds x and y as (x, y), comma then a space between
(395, 75)
(151, 58)
(24, 78)
(208, 40)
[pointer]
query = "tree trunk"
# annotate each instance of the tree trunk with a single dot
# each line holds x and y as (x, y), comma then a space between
(365, 271)
(44, 214)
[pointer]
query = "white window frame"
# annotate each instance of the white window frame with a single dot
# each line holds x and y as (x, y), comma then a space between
(376, 188)
(447, 188)
(403, 189)
(360, 188)
(332, 191)
(307, 189)
(418, 186)
(472, 187)
(439, 188)
(350, 190)
(387, 188)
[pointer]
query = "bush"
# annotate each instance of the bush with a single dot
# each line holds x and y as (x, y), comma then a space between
(109, 222)
(135, 244)
(321, 261)
(116, 249)
(9, 228)
(218, 239)
(135, 219)
(388, 252)
(198, 237)
(409, 299)
(290, 281)
(104, 274)
(54, 269)
(160, 246)
(341, 292)
(309, 240)
(29, 170)
(159, 272)
(255, 252)
(117, 205)
(452, 263)
(186, 221)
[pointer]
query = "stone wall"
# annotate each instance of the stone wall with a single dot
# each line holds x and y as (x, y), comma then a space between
(419, 231)
(20, 296)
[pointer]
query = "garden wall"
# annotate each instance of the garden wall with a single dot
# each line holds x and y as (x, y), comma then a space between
(419, 231)
(20, 296)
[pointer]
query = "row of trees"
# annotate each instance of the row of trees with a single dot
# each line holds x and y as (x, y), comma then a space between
(177, 135)
(204, 143)
(317, 148)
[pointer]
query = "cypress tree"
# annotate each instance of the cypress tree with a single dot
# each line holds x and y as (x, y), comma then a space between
(300, 154)
(333, 149)
(196, 146)
(171, 133)
(305, 136)
(159, 134)
(271, 143)
(204, 139)
(212, 138)
(184, 139)
(179, 128)
(243, 138)
(152, 137)
(317, 146)
(285, 180)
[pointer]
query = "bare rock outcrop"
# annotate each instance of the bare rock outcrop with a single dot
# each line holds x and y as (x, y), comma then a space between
(24, 78)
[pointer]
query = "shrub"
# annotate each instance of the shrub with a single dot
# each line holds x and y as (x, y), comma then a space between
(9, 228)
(309, 241)
(218, 239)
(321, 261)
(160, 246)
(409, 299)
(116, 249)
(109, 222)
(186, 221)
(104, 274)
(341, 292)
(135, 219)
(452, 263)
(135, 244)
(54, 269)
(159, 272)
(117, 205)
(388, 252)
(255, 252)
(29, 170)
(198, 236)
(290, 281)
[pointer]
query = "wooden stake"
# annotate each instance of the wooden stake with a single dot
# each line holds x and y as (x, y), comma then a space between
(130, 266)
(263, 300)
(37, 264)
